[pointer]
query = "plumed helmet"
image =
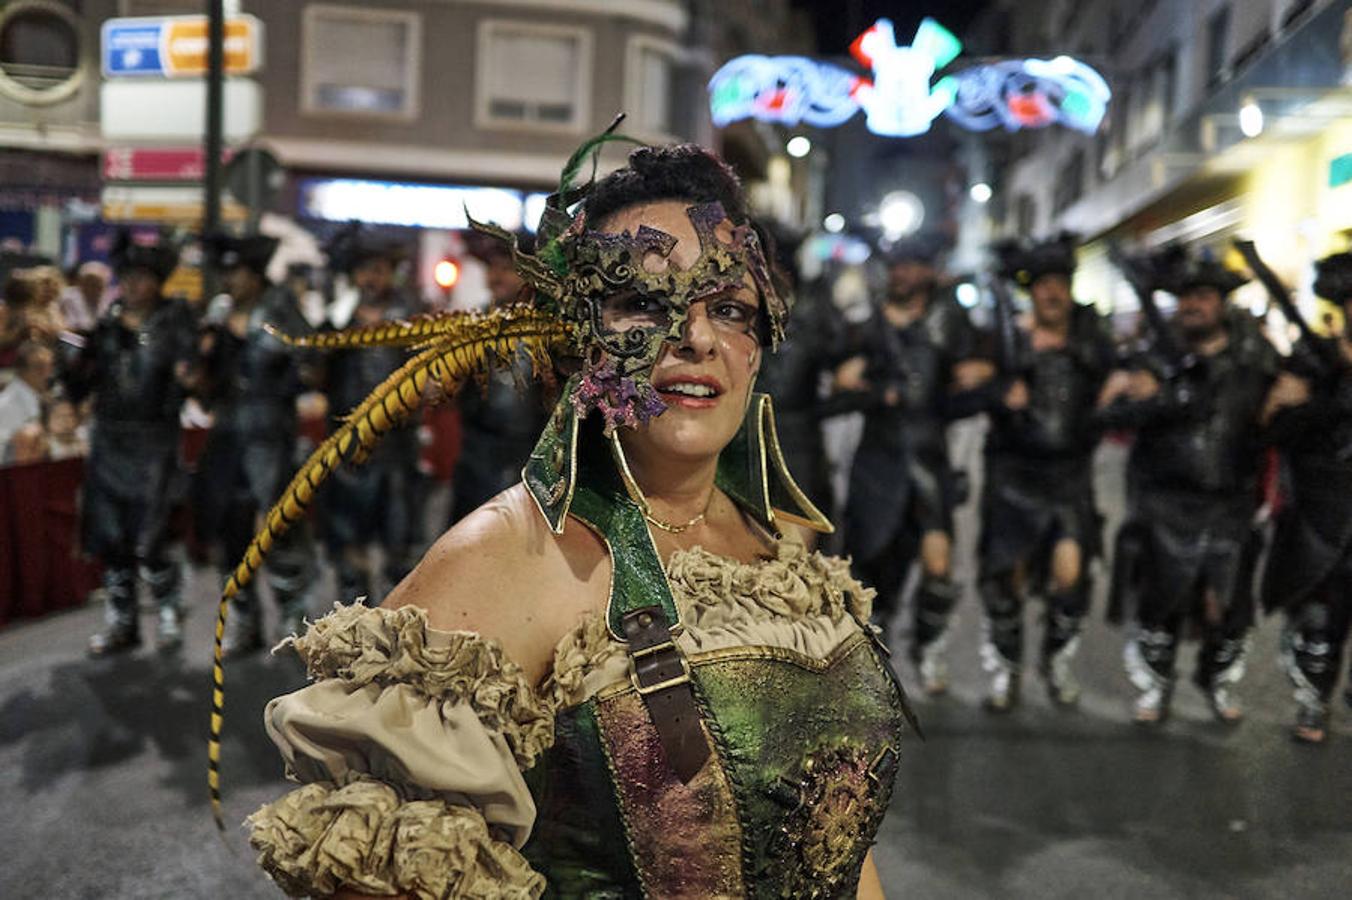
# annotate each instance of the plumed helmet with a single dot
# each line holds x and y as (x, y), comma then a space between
(1333, 277)
(1178, 271)
(157, 253)
(353, 245)
(1025, 263)
(921, 248)
(253, 252)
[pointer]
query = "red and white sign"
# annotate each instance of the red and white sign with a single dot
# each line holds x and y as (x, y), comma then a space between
(156, 163)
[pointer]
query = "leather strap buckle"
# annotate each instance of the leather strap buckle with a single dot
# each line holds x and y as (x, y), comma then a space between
(660, 674)
(674, 681)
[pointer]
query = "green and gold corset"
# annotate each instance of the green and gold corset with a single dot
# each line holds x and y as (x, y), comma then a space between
(804, 717)
(429, 766)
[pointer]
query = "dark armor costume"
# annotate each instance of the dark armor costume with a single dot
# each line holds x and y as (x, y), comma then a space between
(253, 383)
(1309, 571)
(1039, 490)
(500, 423)
(793, 377)
(379, 501)
(1187, 549)
(901, 483)
(133, 469)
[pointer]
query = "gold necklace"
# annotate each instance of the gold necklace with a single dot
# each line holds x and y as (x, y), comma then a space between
(636, 493)
(676, 529)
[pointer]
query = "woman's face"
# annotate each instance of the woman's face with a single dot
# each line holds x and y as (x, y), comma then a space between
(705, 379)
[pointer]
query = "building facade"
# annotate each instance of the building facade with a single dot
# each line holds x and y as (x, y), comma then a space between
(366, 104)
(1228, 118)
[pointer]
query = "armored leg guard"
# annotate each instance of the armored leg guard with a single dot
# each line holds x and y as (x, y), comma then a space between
(244, 626)
(1061, 641)
(121, 631)
(1311, 654)
(1149, 658)
(1220, 667)
(1002, 651)
(165, 583)
(290, 575)
(934, 601)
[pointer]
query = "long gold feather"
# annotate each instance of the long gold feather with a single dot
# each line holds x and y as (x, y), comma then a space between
(415, 332)
(455, 348)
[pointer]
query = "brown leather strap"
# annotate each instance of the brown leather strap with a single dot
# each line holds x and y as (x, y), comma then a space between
(662, 677)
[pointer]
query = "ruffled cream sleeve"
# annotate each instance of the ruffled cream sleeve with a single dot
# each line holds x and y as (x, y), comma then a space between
(409, 744)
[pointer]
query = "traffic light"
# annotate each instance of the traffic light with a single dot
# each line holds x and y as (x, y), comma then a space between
(446, 273)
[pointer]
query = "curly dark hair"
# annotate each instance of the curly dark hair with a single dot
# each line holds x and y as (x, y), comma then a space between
(674, 172)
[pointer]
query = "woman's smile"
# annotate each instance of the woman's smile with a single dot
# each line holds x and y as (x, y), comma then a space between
(689, 391)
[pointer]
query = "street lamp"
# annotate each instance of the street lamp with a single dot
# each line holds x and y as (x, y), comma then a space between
(1251, 118)
(834, 223)
(980, 192)
(798, 146)
(900, 213)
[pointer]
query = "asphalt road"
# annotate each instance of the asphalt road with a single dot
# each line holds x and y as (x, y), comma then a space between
(103, 794)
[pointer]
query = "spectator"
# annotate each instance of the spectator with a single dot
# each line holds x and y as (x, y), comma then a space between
(21, 401)
(86, 298)
(67, 436)
(23, 316)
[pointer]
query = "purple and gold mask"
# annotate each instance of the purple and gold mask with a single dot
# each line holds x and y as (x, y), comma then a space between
(627, 300)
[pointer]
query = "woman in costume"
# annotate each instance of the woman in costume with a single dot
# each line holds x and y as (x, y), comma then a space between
(625, 676)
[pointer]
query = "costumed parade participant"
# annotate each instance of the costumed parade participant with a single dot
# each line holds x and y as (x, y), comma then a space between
(136, 363)
(1040, 529)
(1186, 552)
(250, 380)
(624, 675)
(902, 487)
(381, 501)
(1309, 572)
(501, 419)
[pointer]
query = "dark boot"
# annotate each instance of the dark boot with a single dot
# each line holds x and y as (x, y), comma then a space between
(1002, 651)
(1149, 658)
(243, 626)
(121, 632)
(1219, 670)
(165, 585)
(1060, 643)
(934, 602)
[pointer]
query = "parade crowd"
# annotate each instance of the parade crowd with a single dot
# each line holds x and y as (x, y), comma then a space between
(1239, 475)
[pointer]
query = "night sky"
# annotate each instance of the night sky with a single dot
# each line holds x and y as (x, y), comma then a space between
(838, 22)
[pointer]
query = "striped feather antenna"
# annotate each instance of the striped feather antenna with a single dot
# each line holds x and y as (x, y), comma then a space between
(451, 349)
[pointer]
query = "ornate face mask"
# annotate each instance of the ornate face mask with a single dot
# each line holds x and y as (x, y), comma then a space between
(625, 300)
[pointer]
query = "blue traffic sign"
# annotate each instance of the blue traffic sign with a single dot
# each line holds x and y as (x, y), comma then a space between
(132, 47)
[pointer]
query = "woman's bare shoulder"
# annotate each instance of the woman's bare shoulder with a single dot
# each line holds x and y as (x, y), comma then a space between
(502, 572)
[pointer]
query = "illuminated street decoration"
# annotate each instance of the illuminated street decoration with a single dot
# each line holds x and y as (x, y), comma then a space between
(899, 100)
(787, 89)
(1030, 93)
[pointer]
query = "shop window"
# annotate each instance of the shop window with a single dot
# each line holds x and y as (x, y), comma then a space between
(553, 92)
(39, 52)
(649, 85)
(361, 62)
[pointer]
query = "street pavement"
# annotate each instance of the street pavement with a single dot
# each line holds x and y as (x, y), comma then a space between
(103, 775)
